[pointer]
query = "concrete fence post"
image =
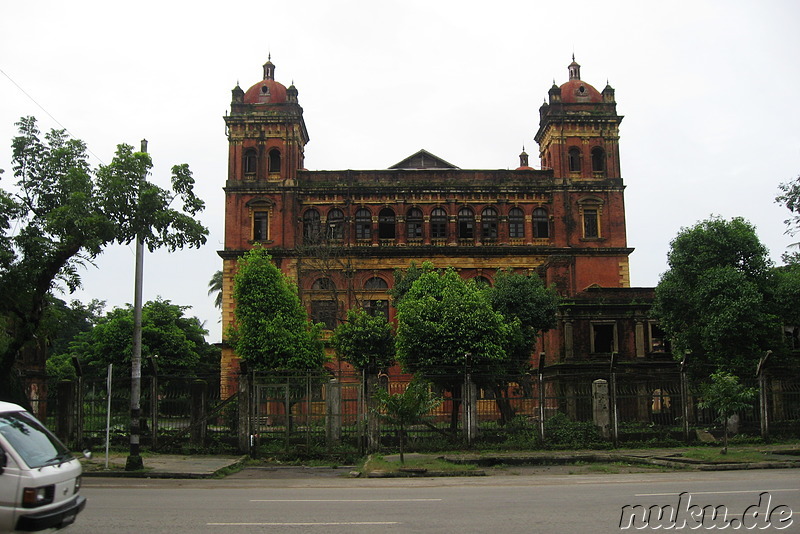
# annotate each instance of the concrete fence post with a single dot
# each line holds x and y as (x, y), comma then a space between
(65, 421)
(333, 412)
(198, 412)
(601, 407)
(245, 402)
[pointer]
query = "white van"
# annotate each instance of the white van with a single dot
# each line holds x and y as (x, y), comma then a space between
(39, 478)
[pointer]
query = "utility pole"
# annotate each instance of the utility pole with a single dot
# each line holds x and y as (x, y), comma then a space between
(134, 462)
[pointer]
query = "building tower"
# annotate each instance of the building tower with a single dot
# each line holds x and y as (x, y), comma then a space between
(267, 137)
(578, 139)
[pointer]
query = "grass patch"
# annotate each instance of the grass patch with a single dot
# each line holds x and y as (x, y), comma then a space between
(429, 463)
(733, 456)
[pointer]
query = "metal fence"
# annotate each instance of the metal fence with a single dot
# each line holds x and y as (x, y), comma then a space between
(333, 412)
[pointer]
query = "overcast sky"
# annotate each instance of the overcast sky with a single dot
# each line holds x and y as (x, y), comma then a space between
(709, 91)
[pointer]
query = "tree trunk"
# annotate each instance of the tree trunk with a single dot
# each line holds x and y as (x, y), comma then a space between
(507, 412)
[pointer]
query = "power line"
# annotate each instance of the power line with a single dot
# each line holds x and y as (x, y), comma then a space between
(48, 113)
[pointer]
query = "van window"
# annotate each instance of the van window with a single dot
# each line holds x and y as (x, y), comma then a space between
(34, 443)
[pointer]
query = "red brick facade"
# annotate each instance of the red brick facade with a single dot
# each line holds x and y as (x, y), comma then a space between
(341, 234)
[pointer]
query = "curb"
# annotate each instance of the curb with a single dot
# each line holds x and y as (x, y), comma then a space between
(116, 473)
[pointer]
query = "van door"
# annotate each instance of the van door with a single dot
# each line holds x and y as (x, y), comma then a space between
(9, 492)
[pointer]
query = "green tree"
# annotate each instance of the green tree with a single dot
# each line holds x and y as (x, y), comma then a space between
(725, 396)
(526, 300)
(271, 332)
(790, 198)
(406, 408)
(714, 299)
(176, 341)
(365, 341)
(63, 213)
(446, 327)
(405, 278)
(61, 324)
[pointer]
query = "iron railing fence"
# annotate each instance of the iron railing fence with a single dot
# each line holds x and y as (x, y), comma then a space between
(310, 410)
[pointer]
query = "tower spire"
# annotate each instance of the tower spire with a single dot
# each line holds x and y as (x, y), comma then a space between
(269, 68)
(574, 69)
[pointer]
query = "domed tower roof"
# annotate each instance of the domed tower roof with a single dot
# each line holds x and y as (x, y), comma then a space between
(267, 91)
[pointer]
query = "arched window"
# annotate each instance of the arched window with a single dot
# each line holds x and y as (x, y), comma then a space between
(376, 283)
(414, 223)
(438, 223)
(574, 156)
(363, 224)
(541, 224)
(335, 224)
(386, 224)
(274, 160)
(489, 224)
(598, 160)
(516, 223)
(323, 283)
(311, 227)
(482, 281)
(250, 161)
(466, 223)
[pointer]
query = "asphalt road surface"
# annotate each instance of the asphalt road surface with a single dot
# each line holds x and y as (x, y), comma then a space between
(513, 503)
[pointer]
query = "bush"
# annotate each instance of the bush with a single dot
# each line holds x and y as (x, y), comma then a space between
(562, 432)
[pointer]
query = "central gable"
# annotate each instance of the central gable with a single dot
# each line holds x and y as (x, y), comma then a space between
(423, 160)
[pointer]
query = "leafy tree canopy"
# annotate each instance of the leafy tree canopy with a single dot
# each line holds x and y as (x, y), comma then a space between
(526, 298)
(365, 341)
(177, 342)
(714, 299)
(63, 213)
(271, 331)
(790, 198)
(445, 324)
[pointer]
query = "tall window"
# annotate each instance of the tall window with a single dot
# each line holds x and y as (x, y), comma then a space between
(377, 307)
(274, 160)
(325, 312)
(250, 161)
(516, 223)
(438, 224)
(466, 224)
(386, 224)
(541, 226)
(363, 224)
(311, 227)
(598, 160)
(414, 224)
(335, 224)
(604, 337)
(591, 223)
(260, 225)
(489, 224)
(574, 157)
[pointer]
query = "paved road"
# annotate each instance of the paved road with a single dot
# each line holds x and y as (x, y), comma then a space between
(542, 503)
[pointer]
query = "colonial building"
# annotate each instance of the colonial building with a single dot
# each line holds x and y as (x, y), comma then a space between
(341, 234)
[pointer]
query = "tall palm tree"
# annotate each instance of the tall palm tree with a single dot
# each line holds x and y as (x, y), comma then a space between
(215, 286)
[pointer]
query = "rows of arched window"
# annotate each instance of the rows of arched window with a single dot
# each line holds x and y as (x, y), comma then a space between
(250, 163)
(468, 226)
(598, 159)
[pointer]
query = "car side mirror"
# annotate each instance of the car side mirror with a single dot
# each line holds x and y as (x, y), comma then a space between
(3, 461)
